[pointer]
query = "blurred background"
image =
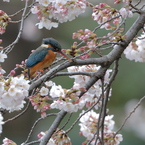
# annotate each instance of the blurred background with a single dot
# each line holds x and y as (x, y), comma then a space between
(128, 86)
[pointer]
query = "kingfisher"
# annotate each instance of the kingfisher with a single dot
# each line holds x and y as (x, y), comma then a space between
(44, 56)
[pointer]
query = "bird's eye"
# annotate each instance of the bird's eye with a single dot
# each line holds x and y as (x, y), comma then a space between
(57, 49)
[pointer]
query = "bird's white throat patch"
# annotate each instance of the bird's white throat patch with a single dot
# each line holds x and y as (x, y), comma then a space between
(44, 45)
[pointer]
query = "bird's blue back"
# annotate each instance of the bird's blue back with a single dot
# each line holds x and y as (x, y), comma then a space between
(37, 56)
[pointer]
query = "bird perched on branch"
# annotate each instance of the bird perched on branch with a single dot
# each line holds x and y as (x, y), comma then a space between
(44, 56)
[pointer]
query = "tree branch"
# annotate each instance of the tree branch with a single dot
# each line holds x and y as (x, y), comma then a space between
(133, 111)
(53, 127)
(34, 125)
(10, 47)
(106, 60)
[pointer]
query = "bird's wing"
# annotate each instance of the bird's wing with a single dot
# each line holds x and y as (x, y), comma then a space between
(37, 56)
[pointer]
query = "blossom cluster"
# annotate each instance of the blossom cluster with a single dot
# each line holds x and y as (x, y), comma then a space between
(61, 11)
(103, 13)
(88, 127)
(40, 100)
(13, 92)
(109, 17)
(136, 50)
(4, 20)
(68, 99)
(7, 141)
(88, 37)
(59, 137)
(84, 35)
(3, 56)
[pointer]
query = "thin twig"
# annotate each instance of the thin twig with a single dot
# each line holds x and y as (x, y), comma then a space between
(100, 122)
(33, 142)
(34, 125)
(72, 126)
(10, 47)
(21, 10)
(133, 111)
(17, 116)
(65, 123)
(114, 73)
(137, 3)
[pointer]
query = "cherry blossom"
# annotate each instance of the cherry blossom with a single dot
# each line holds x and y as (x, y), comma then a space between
(57, 91)
(13, 92)
(44, 91)
(136, 50)
(125, 12)
(88, 127)
(44, 22)
(49, 83)
(7, 141)
(2, 57)
(2, 71)
(61, 11)
(68, 99)
(44, 2)
(59, 137)
(106, 15)
(4, 20)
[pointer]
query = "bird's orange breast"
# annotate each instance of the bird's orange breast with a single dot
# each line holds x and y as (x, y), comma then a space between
(46, 62)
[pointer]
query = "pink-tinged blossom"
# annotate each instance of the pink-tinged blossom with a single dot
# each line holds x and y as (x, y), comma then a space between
(59, 137)
(84, 56)
(93, 94)
(35, 10)
(84, 35)
(103, 14)
(126, 1)
(40, 104)
(12, 72)
(44, 22)
(13, 92)
(69, 100)
(88, 127)
(66, 106)
(136, 50)
(125, 12)
(117, 1)
(7, 141)
(61, 11)
(91, 45)
(66, 11)
(4, 20)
